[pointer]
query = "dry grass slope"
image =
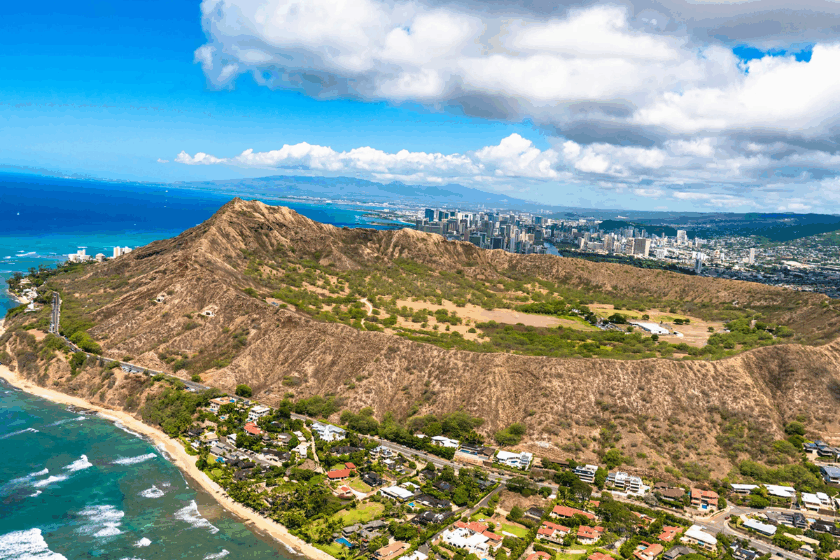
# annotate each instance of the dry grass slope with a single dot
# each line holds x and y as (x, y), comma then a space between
(670, 411)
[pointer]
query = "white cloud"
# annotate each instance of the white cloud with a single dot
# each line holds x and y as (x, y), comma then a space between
(702, 122)
(159, 160)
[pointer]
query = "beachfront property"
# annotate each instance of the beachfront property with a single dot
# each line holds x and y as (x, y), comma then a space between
(391, 551)
(697, 536)
(516, 460)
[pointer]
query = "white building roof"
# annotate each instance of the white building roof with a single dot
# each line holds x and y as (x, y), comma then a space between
(260, 409)
(810, 498)
(765, 528)
(399, 492)
(445, 441)
(416, 555)
(747, 487)
(697, 533)
(780, 491)
(652, 328)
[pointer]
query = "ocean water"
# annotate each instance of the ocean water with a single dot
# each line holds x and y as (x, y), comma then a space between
(43, 219)
(75, 486)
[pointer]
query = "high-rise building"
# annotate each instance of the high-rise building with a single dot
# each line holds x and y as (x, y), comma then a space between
(430, 214)
(752, 255)
(682, 237)
(641, 247)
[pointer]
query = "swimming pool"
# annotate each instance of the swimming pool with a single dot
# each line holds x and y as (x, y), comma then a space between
(345, 542)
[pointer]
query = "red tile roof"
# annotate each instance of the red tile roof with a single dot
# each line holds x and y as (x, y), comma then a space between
(556, 526)
(460, 525)
(492, 536)
(253, 429)
(599, 556)
(565, 511)
(538, 555)
(650, 552)
(476, 527)
(341, 473)
(669, 533)
(586, 532)
(350, 466)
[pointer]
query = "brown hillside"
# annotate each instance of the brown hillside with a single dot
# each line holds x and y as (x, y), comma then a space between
(658, 411)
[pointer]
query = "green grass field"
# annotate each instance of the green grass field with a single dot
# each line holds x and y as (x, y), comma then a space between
(333, 548)
(359, 486)
(517, 530)
(362, 514)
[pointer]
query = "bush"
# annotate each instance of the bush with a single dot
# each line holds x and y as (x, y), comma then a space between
(243, 390)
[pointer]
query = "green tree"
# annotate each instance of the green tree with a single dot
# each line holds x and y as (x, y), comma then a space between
(243, 390)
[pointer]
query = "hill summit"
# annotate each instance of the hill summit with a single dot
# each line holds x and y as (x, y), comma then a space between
(410, 324)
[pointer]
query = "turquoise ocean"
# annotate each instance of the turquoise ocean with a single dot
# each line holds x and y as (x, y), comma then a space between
(74, 486)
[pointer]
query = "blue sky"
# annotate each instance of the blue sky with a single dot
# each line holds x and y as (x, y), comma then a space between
(108, 88)
(693, 106)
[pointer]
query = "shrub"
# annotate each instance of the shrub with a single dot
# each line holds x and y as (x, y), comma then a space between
(243, 390)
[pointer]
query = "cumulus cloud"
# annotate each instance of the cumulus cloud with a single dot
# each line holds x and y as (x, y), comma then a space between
(654, 101)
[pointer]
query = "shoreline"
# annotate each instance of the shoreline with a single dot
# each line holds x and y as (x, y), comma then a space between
(175, 454)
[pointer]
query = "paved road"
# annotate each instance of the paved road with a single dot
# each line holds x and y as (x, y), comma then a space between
(127, 366)
(55, 316)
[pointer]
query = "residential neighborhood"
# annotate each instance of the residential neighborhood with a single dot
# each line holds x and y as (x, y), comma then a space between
(354, 495)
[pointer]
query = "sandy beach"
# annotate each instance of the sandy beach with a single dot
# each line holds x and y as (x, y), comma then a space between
(176, 454)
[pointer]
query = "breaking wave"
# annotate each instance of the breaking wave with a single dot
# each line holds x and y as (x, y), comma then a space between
(26, 545)
(190, 515)
(17, 433)
(102, 521)
(142, 542)
(153, 492)
(134, 460)
(50, 480)
(79, 464)
(217, 555)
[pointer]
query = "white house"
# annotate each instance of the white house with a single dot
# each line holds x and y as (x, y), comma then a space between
(475, 543)
(445, 442)
(781, 491)
(396, 493)
(763, 528)
(697, 536)
(258, 412)
(328, 432)
(626, 482)
(586, 473)
(515, 460)
(815, 502)
(743, 488)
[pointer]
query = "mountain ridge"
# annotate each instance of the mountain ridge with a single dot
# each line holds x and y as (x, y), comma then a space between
(565, 402)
